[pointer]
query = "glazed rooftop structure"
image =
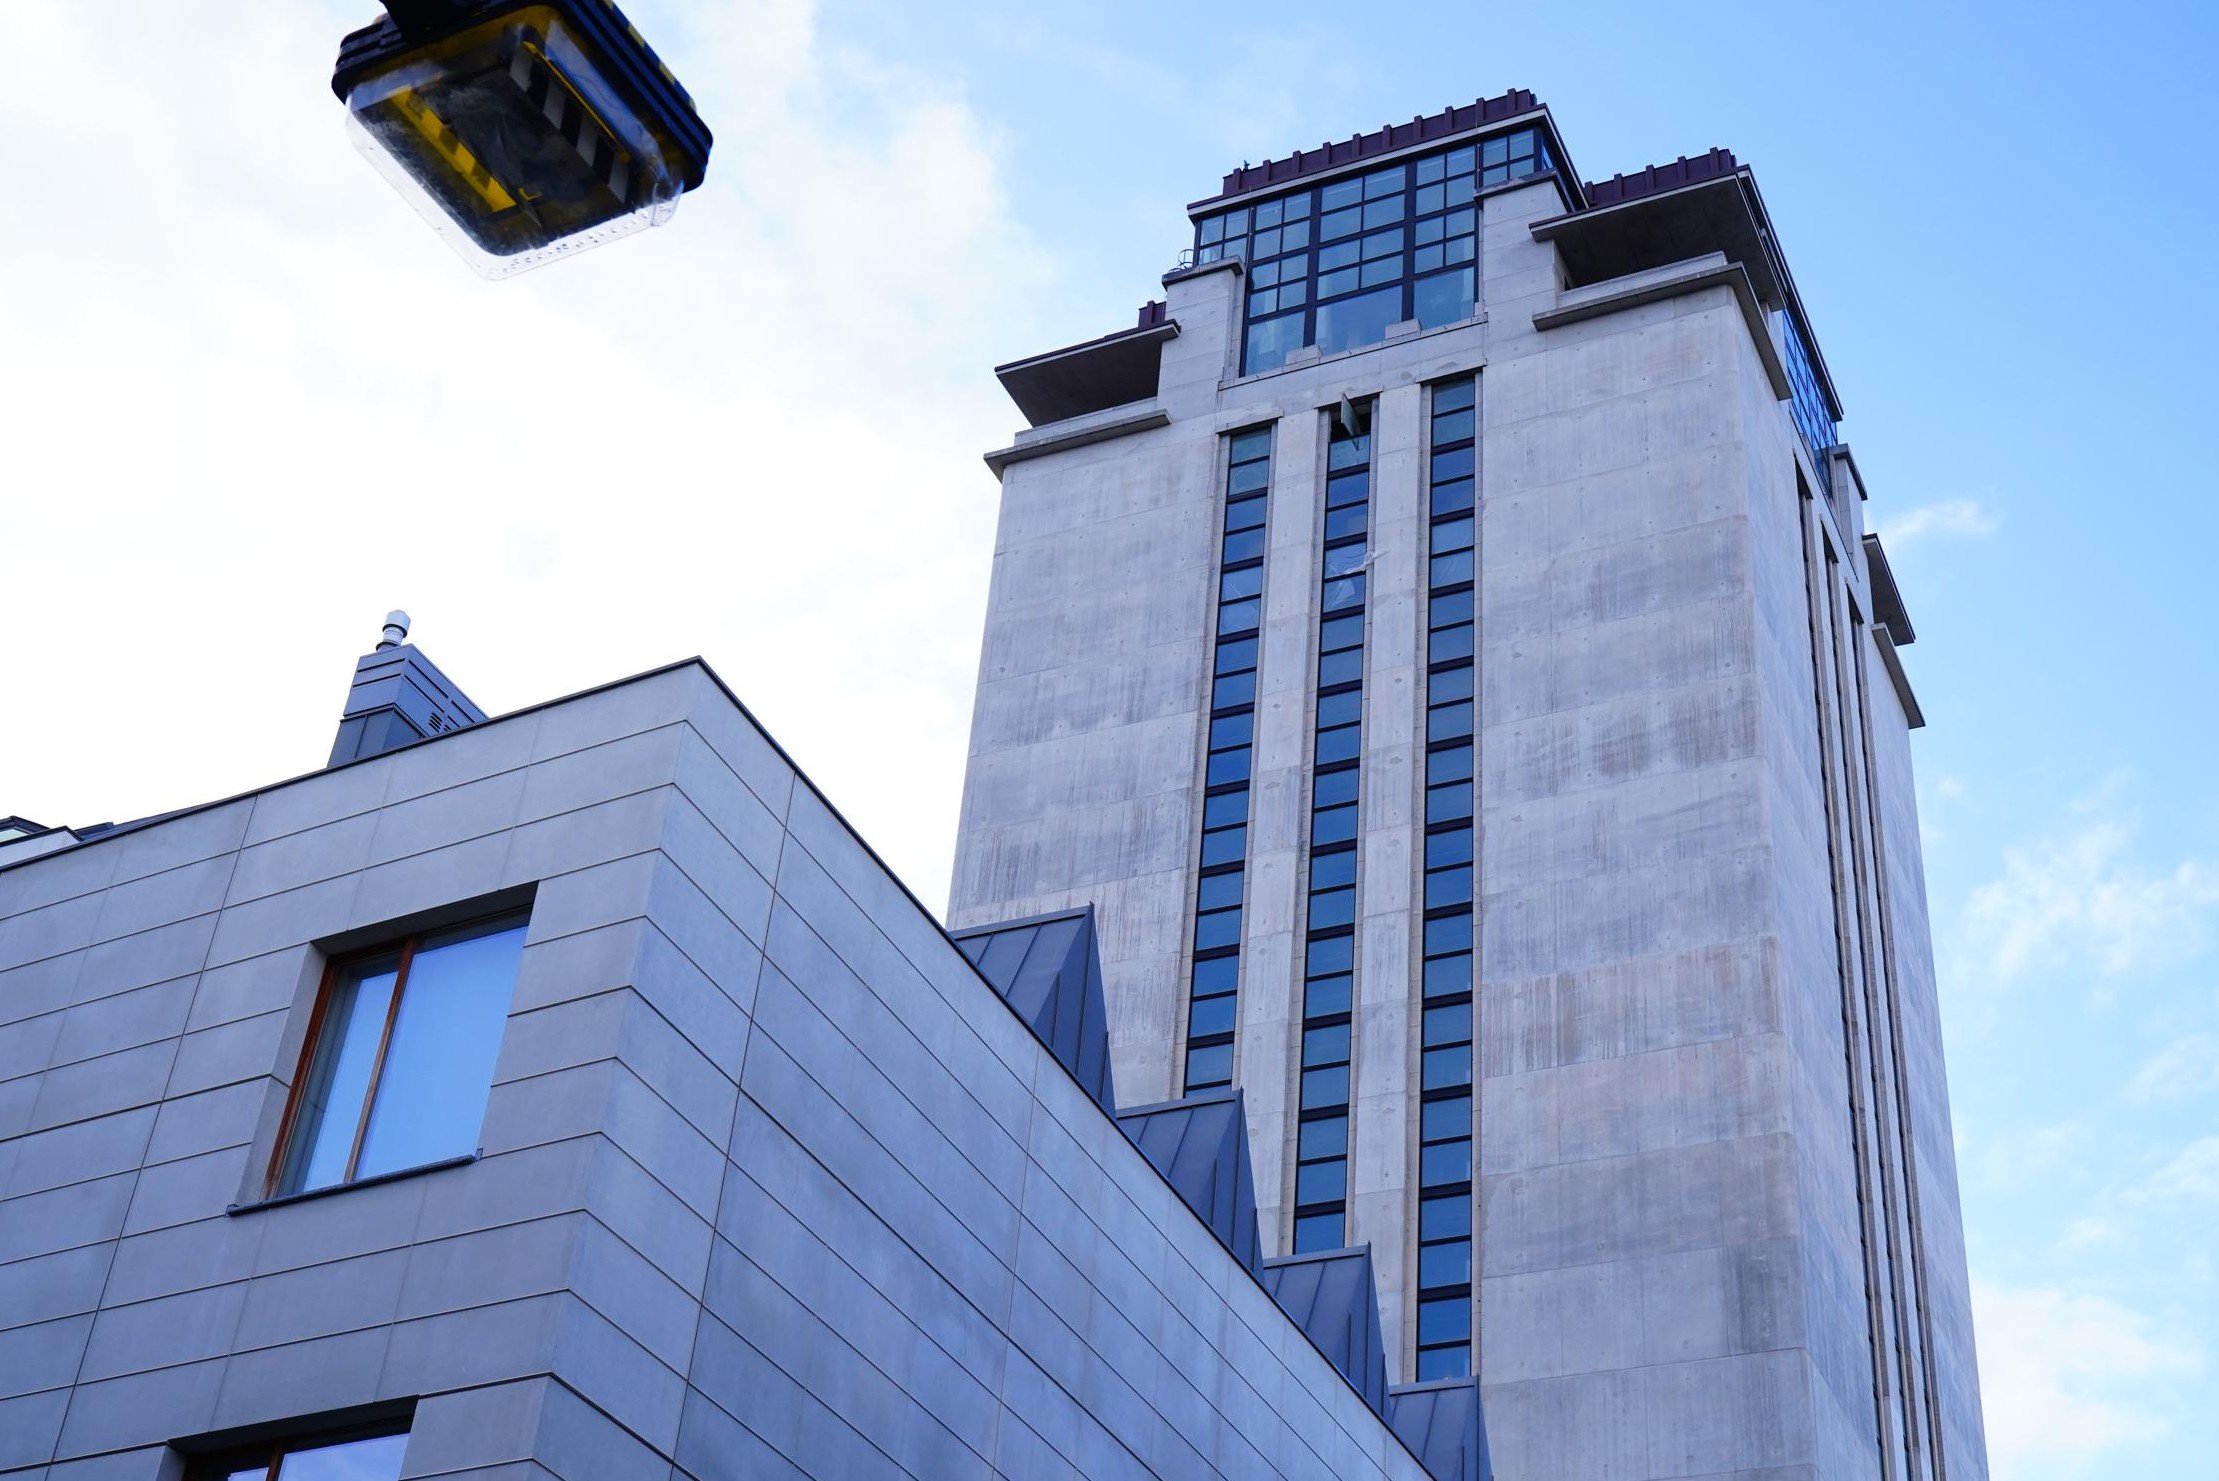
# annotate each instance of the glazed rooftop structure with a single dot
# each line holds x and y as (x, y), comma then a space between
(1441, 643)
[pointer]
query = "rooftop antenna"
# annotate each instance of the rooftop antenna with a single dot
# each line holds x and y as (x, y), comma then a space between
(396, 630)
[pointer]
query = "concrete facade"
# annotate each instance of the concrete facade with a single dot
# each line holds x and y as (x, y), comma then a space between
(1717, 1213)
(770, 1182)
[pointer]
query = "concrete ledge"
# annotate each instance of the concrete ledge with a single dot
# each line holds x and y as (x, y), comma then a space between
(1672, 281)
(1101, 426)
(1844, 461)
(1896, 676)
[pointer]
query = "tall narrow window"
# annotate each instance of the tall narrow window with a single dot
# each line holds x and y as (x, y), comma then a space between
(400, 1058)
(1231, 742)
(1445, 1044)
(1328, 986)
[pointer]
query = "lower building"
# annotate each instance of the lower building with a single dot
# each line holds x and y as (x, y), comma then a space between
(573, 1094)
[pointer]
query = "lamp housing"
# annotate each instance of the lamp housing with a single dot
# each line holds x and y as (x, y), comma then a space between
(522, 130)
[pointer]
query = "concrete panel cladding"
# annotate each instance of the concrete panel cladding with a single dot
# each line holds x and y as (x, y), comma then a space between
(731, 1164)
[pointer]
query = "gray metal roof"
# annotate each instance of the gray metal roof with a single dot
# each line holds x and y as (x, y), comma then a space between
(1442, 1424)
(1331, 1295)
(1200, 1145)
(1049, 970)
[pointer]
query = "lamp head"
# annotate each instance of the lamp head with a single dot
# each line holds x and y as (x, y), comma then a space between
(522, 130)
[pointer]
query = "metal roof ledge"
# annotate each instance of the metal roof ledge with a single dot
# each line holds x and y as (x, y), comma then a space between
(1080, 431)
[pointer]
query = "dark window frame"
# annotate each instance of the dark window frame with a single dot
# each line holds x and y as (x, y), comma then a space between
(1228, 769)
(1435, 198)
(1451, 704)
(221, 1465)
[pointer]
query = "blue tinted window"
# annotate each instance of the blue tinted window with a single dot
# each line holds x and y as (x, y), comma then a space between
(1450, 933)
(1444, 1362)
(1225, 846)
(1333, 789)
(1450, 764)
(1334, 954)
(1219, 974)
(1228, 766)
(1444, 1321)
(1325, 996)
(1360, 224)
(439, 1059)
(1217, 928)
(1326, 1137)
(1333, 824)
(1211, 1016)
(1317, 1232)
(1443, 1218)
(1448, 974)
(1448, 887)
(1445, 1118)
(1446, 1067)
(1321, 1182)
(1327, 1087)
(1361, 320)
(1448, 1263)
(1445, 1162)
(1329, 908)
(1210, 1064)
(330, 1111)
(404, 1059)
(1325, 1046)
(1329, 870)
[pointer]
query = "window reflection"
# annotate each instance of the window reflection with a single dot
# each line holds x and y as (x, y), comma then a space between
(1393, 246)
(374, 1458)
(402, 1061)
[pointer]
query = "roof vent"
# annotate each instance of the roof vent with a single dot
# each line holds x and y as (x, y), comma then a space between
(398, 696)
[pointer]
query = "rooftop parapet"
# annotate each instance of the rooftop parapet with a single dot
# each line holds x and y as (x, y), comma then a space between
(1331, 1295)
(1200, 1145)
(1049, 971)
(1388, 139)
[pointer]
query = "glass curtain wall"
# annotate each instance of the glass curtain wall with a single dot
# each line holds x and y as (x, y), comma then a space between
(1337, 266)
(1445, 1055)
(1221, 884)
(1321, 1152)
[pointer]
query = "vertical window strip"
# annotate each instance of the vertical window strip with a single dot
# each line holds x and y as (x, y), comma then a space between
(1329, 943)
(1444, 1325)
(1221, 880)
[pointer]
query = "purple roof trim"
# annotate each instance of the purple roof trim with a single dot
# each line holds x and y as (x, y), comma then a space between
(1153, 314)
(1659, 178)
(1331, 156)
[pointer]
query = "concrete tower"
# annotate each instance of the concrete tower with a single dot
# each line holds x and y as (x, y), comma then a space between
(1441, 641)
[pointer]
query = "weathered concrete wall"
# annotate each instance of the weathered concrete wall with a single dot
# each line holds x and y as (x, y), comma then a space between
(769, 1183)
(1677, 1237)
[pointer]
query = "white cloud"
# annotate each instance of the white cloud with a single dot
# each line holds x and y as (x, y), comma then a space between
(2068, 1378)
(2186, 1068)
(2193, 1173)
(253, 402)
(1967, 517)
(2080, 896)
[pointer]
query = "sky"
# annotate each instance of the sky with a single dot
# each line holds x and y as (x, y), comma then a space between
(248, 402)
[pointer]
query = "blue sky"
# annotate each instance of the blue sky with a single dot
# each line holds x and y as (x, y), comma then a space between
(227, 455)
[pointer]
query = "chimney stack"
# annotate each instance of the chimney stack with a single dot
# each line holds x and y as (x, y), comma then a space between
(398, 696)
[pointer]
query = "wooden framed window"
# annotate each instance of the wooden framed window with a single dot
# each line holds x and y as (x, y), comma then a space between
(363, 1458)
(399, 1058)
